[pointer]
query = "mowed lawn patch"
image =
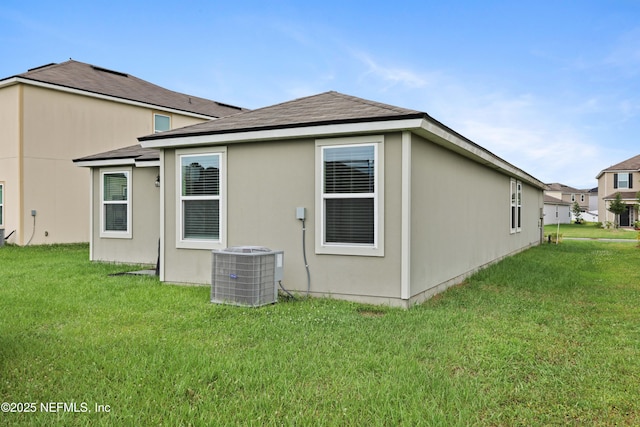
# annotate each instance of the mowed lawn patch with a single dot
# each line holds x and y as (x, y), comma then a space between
(550, 336)
(591, 230)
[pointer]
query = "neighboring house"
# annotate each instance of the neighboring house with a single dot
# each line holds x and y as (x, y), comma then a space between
(397, 206)
(623, 178)
(569, 194)
(585, 199)
(556, 211)
(57, 112)
(593, 201)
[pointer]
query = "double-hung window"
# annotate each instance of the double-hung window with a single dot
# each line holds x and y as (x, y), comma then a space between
(348, 180)
(516, 206)
(623, 180)
(201, 199)
(115, 199)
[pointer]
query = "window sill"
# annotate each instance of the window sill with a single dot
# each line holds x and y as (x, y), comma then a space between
(349, 250)
(115, 235)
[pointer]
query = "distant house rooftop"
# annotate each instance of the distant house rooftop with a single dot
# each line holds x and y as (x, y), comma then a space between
(102, 81)
(632, 164)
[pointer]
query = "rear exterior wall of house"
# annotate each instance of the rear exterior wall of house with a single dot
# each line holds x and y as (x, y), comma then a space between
(460, 219)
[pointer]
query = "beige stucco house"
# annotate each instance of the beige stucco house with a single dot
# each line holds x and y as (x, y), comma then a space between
(570, 194)
(397, 206)
(623, 178)
(57, 112)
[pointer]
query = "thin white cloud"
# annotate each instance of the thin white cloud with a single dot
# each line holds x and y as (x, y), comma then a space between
(542, 136)
(392, 76)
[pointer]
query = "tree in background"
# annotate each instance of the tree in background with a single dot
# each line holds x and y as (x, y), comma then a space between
(577, 213)
(617, 207)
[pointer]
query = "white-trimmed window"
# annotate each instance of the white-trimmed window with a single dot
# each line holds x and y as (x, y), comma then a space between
(201, 198)
(623, 180)
(349, 186)
(515, 216)
(519, 206)
(115, 198)
(1, 204)
(161, 123)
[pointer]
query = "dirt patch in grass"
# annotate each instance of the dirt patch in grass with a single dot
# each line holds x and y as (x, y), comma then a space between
(371, 312)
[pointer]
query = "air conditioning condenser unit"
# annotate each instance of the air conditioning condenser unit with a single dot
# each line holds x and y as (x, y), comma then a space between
(246, 275)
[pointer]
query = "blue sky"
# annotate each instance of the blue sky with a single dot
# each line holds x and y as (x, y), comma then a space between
(550, 86)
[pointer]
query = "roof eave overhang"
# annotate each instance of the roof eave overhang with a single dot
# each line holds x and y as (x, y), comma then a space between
(423, 126)
(602, 172)
(15, 80)
(116, 162)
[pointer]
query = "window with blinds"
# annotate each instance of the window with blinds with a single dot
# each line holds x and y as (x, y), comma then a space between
(115, 204)
(349, 194)
(200, 196)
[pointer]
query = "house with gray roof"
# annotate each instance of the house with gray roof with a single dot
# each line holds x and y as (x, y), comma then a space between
(52, 114)
(586, 200)
(622, 178)
(556, 211)
(369, 202)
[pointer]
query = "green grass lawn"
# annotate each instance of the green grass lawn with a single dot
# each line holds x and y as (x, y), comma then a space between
(592, 231)
(548, 337)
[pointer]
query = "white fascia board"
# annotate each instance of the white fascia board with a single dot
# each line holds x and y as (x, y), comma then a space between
(102, 163)
(147, 164)
(15, 80)
(118, 162)
(284, 133)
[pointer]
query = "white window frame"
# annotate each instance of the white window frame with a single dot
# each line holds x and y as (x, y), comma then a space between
(377, 248)
(2, 212)
(515, 206)
(112, 234)
(155, 116)
(519, 206)
(626, 181)
(188, 243)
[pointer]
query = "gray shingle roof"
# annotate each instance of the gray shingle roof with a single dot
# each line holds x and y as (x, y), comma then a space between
(625, 195)
(135, 152)
(631, 164)
(550, 200)
(98, 80)
(325, 108)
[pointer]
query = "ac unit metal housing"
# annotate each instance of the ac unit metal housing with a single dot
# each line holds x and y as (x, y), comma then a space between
(246, 275)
